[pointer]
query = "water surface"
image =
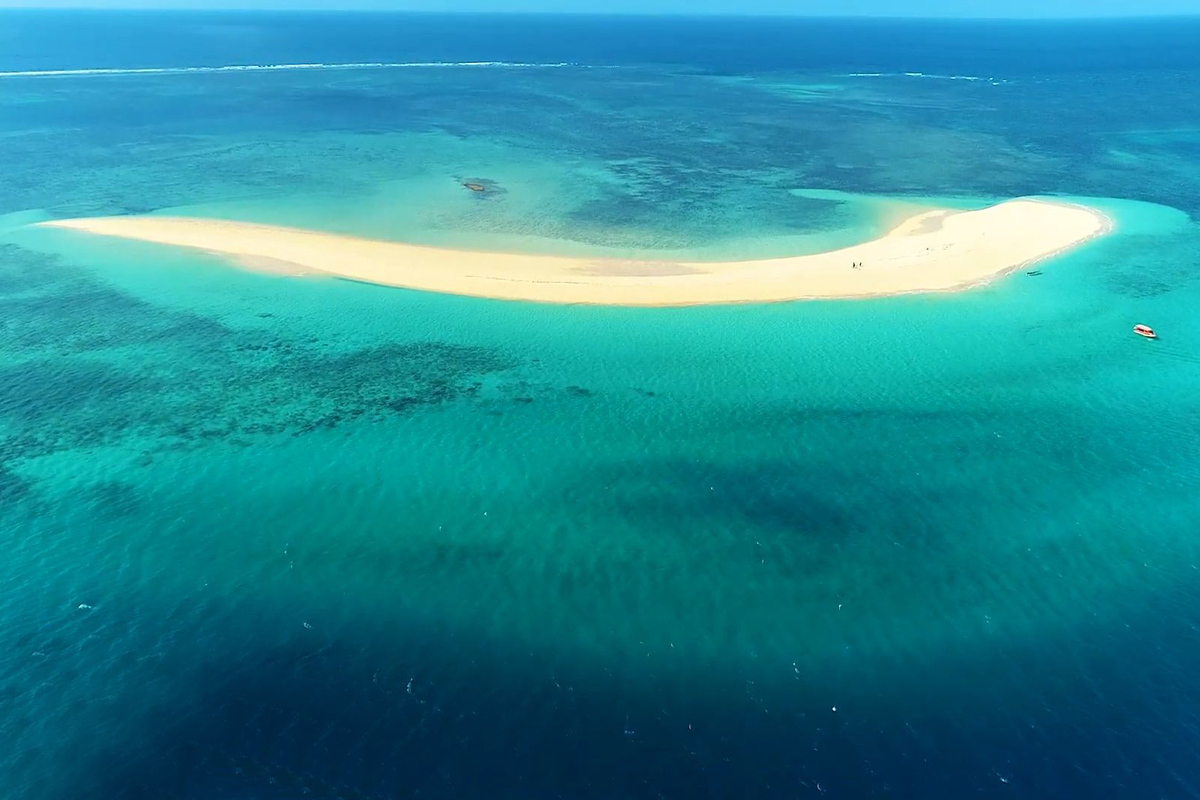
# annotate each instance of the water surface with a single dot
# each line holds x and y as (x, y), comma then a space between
(270, 538)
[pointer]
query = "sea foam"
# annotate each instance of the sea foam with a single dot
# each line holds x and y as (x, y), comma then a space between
(970, 78)
(97, 71)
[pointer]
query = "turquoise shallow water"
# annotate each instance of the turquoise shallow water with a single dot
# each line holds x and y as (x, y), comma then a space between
(271, 538)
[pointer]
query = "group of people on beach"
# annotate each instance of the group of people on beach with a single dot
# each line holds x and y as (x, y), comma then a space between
(856, 265)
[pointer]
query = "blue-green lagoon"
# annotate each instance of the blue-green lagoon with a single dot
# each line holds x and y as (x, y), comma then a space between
(272, 537)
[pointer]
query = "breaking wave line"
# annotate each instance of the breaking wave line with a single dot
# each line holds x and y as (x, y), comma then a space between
(79, 73)
(971, 78)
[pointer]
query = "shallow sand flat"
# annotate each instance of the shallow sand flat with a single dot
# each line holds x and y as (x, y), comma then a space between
(933, 251)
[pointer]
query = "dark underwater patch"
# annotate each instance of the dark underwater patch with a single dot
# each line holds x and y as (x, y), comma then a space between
(392, 379)
(61, 310)
(772, 496)
(36, 391)
(23, 271)
(12, 486)
(100, 364)
(114, 499)
(254, 386)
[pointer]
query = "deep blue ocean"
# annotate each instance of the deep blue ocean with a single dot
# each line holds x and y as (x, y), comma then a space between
(271, 537)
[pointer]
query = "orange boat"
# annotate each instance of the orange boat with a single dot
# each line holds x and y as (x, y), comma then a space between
(1145, 330)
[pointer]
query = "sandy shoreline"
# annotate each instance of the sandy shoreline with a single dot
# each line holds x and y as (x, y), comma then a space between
(933, 251)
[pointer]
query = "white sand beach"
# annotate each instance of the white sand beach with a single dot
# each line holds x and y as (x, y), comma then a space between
(933, 251)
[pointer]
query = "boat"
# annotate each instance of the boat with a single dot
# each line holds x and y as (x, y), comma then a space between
(1145, 330)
